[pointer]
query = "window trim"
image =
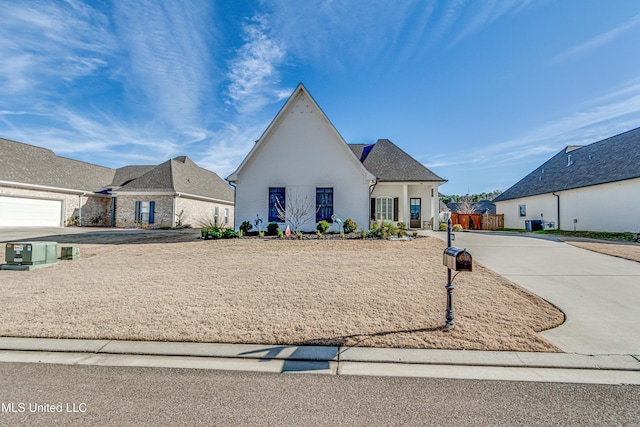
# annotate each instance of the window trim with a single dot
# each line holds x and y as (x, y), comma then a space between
(272, 206)
(324, 211)
(384, 203)
(522, 210)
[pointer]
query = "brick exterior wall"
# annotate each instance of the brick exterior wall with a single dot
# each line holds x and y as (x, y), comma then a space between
(195, 212)
(126, 210)
(95, 209)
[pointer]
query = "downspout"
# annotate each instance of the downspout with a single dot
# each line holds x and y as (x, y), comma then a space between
(175, 210)
(371, 188)
(234, 204)
(80, 208)
(558, 208)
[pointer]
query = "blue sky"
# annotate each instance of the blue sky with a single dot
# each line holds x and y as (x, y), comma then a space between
(480, 91)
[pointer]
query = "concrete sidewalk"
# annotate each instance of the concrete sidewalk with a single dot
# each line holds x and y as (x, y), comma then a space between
(485, 365)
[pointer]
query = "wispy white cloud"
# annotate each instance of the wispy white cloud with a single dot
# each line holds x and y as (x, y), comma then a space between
(253, 71)
(483, 13)
(603, 116)
(169, 55)
(599, 40)
(43, 43)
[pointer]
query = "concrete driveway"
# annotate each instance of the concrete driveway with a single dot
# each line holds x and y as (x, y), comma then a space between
(599, 294)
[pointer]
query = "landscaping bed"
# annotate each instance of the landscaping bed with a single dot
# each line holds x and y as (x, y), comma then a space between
(271, 291)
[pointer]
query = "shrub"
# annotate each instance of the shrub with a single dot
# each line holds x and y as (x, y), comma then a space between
(402, 226)
(229, 234)
(383, 230)
(323, 226)
(456, 227)
(260, 233)
(212, 232)
(415, 234)
(363, 234)
(349, 226)
(272, 229)
(299, 234)
(245, 227)
(443, 226)
(319, 234)
(280, 233)
(342, 234)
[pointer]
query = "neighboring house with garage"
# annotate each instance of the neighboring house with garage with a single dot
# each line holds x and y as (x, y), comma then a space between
(595, 187)
(301, 157)
(39, 188)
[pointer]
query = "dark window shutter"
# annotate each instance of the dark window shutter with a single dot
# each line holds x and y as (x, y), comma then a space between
(138, 214)
(373, 209)
(396, 202)
(152, 208)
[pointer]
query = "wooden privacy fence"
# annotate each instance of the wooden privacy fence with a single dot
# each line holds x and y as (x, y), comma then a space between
(478, 221)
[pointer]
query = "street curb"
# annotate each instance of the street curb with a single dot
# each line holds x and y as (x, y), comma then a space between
(396, 356)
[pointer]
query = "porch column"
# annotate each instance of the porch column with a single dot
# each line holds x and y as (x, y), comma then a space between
(435, 207)
(405, 202)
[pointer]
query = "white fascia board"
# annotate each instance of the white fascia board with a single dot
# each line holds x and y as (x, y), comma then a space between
(143, 193)
(49, 188)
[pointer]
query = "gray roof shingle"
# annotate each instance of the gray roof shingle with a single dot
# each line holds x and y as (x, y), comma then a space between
(388, 162)
(613, 159)
(181, 175)
(29, 164)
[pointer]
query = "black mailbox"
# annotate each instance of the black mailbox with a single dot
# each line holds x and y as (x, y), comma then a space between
(457, 259)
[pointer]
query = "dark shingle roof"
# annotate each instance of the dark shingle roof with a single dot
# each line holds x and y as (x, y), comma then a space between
(181, 175)
(126, 174)
(29, 164)
(388, 162)
(478, 207)
(613, 159)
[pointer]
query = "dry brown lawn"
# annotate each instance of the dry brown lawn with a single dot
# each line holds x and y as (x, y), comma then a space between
(626, 251)
(328, 292)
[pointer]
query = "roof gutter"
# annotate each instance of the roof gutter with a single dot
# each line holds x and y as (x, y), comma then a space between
(48, 188)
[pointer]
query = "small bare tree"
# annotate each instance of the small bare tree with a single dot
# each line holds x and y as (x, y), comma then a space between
(297, 210)
(466, 206)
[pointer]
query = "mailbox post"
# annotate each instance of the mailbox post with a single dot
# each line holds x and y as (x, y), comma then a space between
(458, 260)
(449, 287)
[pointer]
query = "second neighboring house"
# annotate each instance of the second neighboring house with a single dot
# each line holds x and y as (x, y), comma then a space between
(39, 188)
(591, 188)
(302, 159)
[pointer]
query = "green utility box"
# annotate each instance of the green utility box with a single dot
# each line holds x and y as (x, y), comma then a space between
(69, 252)
(31, 253)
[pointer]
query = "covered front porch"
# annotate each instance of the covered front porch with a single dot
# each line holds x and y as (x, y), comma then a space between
(414, 203)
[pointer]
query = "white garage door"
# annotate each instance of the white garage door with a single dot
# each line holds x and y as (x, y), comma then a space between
(19, 212)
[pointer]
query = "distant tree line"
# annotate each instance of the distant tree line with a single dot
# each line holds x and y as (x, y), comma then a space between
(472, 198)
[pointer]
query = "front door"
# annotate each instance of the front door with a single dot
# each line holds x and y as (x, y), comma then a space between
(415, 213)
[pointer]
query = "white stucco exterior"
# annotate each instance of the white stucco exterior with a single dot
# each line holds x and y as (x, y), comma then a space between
(301, 151)
(613, 206)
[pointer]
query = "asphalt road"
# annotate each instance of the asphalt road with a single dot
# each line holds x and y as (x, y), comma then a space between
(155, 396)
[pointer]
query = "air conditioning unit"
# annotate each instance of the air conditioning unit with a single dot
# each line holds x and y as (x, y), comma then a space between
(31, 253)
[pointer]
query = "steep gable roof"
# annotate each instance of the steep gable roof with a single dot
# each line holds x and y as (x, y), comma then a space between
(613, 159)
(300, 91)
(388, 162)
(28, 164)
(180, 175)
